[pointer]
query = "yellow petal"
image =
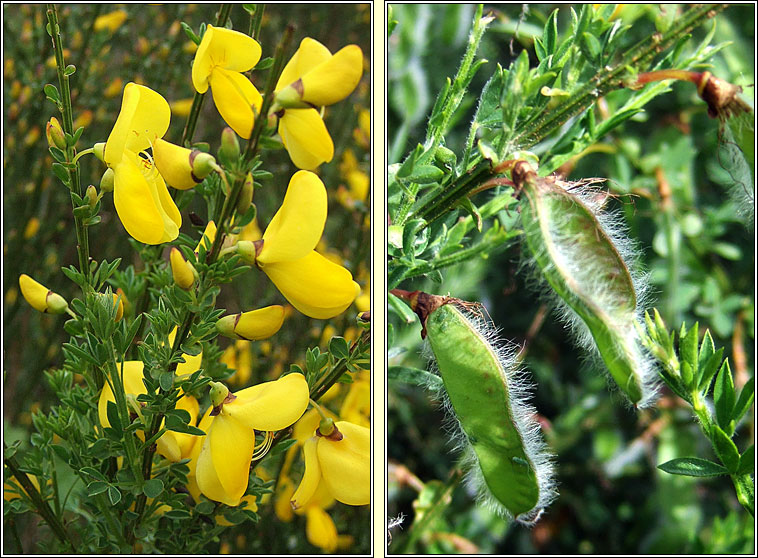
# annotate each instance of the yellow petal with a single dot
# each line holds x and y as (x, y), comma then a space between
(297, 226)
(235, 96)
(260, 324)
(186, 442)
(180, 269)
(333, 79)
(271, 405)
(143, 203)
(168, 446)
(309, 54)
(34, 293)
(346, 464)
(173, 162)
(209, 235)
(144, 116)
(311, 476)
(284, 492)
(224, 48)
(231, 444)
(191, 363)
(315, 286)
(320, 529)
(207, 478)
(306, 138)
(132, 385)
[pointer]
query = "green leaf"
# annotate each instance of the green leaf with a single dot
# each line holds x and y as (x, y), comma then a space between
(190, 33)
(62, 173)
(550, 33)
(339, 348)
(414, 376)
(724, 397)
(282, 447)
(205, 508)
(725, 449)
(96, 487)
(177, 514)
(745, 400)
(265, 63)
(590, 46)
(688, 346)
(747, 461)
(52, 93)
(70, 69)
(693, 467)
(166, 380)
(425, 174)
(153, 488)
(113, 418)
(114, 495)
(709, 369)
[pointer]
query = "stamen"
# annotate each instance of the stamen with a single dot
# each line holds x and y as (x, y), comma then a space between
(262, 449)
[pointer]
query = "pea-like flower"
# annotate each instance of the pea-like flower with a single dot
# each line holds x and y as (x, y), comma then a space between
(220, 462)
(253, 325)
(313, 78)
(220, 59)
(316, 286)
(139, 192)
(341, 460)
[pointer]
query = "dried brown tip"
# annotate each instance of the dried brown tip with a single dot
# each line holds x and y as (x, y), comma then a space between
(721, 96)
(522, 173)
(423, 304)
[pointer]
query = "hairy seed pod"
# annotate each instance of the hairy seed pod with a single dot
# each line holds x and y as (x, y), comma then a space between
(505, 457)
(578, 254)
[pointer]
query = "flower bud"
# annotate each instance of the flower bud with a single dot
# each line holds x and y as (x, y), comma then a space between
(209, 235)
(91, 196)
(218, 393)
(108, 180)
(182, 168)
(183, 272)
(124, 300)
(112, 302)
(291, 96)
(246, 195)
(229, 151)
(40, 297)
(98, 150)
(254, 325)
(247, 250)
(55, 135)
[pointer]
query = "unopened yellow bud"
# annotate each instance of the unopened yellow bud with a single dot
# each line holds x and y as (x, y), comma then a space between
(182, 168)
(108, 180)
(112, 302)
(183, 272)
(124, 300)
(54, 133)
(246, 195)
(254, 325)
(40, 297)
(209, 235)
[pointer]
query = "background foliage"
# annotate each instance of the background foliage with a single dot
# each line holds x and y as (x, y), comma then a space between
(700, 259)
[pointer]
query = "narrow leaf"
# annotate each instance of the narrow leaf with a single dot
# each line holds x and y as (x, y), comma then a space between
(747, 461)
(693, 467)
(745, 400)
(725, 449)
(724, 396)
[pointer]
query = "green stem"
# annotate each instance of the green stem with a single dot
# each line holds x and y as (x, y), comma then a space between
(255, 21)
(82, 238)
(40, 505)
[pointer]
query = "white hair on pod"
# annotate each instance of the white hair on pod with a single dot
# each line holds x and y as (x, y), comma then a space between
(584, 266)
(522, 413)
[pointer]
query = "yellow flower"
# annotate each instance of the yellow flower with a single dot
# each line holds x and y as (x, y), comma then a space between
(253, 325)
(220, 59)
(314, 285)
(341, 461)
(313, 77)
(40, 297)
(172, 445)
(221, 461)
(181, 269)
(110, 21)
(139, 192)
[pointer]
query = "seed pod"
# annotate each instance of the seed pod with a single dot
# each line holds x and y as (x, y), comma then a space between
(578, 252)
(505, 457)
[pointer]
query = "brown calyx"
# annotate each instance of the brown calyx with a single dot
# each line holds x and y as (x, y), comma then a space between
(228, 399)
(721, 96)
(423, 304)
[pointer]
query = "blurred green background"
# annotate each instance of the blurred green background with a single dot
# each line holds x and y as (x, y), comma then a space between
(612, 498)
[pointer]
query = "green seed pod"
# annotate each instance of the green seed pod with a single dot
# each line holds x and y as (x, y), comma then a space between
(504, 455)
(578, 251)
